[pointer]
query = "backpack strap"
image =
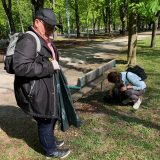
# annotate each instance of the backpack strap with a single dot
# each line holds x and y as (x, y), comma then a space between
(37, 41)
(127, 77)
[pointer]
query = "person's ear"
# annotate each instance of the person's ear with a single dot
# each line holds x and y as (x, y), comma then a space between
(36, 23)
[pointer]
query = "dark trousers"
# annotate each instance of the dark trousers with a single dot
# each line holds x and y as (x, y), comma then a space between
(134, 94)
(46, 134)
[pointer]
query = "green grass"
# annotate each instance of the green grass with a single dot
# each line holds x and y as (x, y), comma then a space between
(110, 131)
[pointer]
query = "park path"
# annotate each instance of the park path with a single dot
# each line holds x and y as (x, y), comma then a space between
(76, 61)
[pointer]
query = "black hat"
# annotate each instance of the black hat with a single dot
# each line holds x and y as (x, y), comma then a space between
(47, 15)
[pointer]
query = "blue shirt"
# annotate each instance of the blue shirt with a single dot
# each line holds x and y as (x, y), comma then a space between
(134, 80)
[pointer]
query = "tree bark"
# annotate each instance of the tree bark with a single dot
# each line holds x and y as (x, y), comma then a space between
(132, 39)
(99, 24)
(94, 23)
(20, 18)
(8, 10)
(37, 5)
(77, 18)
(123, 12)
(109, 13)
(158, 22)
(154, 30)
(105, 19)
(87, 20)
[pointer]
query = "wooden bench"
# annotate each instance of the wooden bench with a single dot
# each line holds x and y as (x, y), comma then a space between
(90, 80)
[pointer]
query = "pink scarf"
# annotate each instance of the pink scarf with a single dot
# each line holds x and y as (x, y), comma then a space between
(48, 42)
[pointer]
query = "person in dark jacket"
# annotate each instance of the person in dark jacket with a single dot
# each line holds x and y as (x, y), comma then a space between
(35, 85)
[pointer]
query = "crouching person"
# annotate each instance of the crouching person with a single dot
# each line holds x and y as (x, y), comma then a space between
(128, 86)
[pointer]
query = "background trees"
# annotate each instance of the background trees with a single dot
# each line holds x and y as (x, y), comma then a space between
(8, 9)
(86, 18)
(94, 16)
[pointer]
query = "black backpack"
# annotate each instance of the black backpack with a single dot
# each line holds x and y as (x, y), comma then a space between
(139, 71)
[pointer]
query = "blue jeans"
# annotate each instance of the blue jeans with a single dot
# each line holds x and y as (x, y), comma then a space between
(46, 134)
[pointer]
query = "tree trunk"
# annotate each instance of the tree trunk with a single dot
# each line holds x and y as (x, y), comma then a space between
(20, 18)
(158, 22)
(87, 26)
(68, 18)
(8, 10)
(99, 24)
(132, 39)
(122, 11)
(107, 16)
(94, 24)
(154, 30)
(109, 13)
(60, 22)
(37, 5)
(87, 20)
(77, 18)
(105, 19)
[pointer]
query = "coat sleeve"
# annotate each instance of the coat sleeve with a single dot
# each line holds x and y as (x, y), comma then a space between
(25, 62)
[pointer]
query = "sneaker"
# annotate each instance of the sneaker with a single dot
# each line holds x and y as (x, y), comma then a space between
(59, 143)
(126, 101)
(59, 153)
(137, 104)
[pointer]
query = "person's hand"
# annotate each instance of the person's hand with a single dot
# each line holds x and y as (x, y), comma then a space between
(124, 88)
(129, 86)
(55, 65)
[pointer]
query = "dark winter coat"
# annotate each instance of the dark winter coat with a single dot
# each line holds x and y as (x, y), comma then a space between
(34, 85)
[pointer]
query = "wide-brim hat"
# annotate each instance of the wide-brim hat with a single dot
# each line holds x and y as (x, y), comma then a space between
(47, 15)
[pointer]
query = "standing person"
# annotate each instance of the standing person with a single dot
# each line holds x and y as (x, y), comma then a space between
(35, 84)
(129, 86)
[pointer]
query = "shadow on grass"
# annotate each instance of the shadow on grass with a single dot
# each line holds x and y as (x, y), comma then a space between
(17, 125)
(100, 107)
(121, 62)
(142, 44)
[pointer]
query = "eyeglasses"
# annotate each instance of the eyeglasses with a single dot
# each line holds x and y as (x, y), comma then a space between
(48, 26)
